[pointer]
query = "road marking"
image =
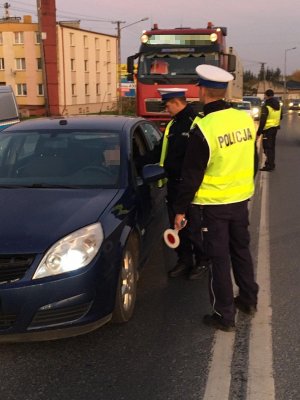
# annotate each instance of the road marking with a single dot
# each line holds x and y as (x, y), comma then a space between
(260, 383)
(219, 377)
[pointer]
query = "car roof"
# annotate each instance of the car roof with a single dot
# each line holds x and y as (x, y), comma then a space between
(101, 122)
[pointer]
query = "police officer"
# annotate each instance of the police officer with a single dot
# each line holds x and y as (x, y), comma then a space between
(172, 155)
(271, 114)
(218, 178)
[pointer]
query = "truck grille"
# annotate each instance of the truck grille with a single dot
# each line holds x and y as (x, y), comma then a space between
(14, 267)
(156, 106)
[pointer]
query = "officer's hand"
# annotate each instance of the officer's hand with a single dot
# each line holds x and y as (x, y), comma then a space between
(180, 221)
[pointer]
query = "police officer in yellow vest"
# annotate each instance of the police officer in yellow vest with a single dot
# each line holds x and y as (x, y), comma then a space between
(271, 114)
(172, 156)
(218, 179)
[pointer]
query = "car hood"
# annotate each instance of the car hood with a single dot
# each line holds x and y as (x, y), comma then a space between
(34, 219)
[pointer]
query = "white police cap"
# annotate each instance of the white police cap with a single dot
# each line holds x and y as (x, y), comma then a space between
(171, 93)
(213, 77)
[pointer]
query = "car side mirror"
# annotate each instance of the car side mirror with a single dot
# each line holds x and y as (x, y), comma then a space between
(152, 173)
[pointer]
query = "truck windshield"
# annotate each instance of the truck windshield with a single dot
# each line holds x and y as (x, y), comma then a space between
(173, 65)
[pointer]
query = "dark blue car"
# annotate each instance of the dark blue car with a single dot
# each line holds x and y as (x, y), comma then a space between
(80, 213)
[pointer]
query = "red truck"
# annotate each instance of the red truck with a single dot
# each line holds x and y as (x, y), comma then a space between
(168, 58)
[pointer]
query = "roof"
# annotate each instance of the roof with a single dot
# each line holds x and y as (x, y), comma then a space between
(109, 122)
(293, 85)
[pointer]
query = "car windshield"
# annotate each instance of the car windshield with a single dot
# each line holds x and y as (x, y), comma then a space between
(255, 101)
(241, 105)
(70, 159)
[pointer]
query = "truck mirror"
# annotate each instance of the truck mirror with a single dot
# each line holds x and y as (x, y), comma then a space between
(130, 64)
(231, 63)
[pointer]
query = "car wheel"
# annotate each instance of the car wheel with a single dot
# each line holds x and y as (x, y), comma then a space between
(127, 284)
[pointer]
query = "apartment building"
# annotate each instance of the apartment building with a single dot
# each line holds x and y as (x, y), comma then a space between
(87, 70)
(84, 62)
(21, 63)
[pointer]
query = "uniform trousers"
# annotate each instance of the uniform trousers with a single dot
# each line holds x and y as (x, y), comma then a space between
(269, 142)
(190, 249)
(226, 241)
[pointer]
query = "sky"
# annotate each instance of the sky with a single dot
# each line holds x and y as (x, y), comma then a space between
(258, 30)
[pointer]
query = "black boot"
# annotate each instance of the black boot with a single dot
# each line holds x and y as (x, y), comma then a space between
(179, 270)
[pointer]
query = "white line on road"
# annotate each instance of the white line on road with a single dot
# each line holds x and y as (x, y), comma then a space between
(260, 371)
(219, 377)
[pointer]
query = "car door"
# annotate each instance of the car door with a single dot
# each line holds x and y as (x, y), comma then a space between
(146, 144)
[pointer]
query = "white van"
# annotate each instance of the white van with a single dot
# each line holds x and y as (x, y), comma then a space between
(9, 113)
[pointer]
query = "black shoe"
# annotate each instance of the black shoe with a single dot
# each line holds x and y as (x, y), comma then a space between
(217, 322)
(245, 308)
(266, 169)
(179, 270)
(197, 272)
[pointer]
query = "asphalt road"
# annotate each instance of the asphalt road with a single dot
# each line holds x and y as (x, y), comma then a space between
(164, 352)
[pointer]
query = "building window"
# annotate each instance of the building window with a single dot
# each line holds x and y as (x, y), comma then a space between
(85, 41)
(72, 39)
(19, 37)
(86, 65)
(73, 88)
(107, 44)
(20, 64)
(37, 38)
(97, 43)
(39, 64)
(72, 64)
(40, 89)
(97, 66)
(21, 89)
(109, 78)
(1, 38)
(86, 89)
(98, 89)
(2, 63)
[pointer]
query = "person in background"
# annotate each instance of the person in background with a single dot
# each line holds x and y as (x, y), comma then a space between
(191, 259)
(271, 114)
(218, 179)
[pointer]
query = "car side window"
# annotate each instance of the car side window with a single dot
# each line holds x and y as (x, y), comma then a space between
(139, 150)
(152, 135)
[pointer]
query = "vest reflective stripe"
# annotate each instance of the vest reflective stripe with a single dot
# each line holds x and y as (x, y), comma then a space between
(273, 119)
(228, 178)
(165, 144)
(163, 153)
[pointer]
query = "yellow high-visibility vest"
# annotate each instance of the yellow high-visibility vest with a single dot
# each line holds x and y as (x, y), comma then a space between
(164, 150)
(273, 119)
(229, 176)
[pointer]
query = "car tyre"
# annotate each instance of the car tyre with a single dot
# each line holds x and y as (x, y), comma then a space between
(127, 284)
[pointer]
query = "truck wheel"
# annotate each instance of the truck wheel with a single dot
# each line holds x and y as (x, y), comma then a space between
(127, 284)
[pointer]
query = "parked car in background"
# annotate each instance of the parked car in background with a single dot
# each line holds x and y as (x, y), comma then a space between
(294, 104)
(256, 105)
(242, 105)
(80, 213)
(9, 113)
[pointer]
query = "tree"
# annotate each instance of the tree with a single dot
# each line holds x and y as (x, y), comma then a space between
(296, 75)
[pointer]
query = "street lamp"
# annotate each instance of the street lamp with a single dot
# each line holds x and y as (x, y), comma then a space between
(119, 28)
(284, 78)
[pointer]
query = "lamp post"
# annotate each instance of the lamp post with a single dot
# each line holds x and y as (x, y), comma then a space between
(119, 76)
(284, 81)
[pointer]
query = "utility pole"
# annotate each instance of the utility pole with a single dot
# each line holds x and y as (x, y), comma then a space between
(119, 28)
(262, 74)
(119, 90)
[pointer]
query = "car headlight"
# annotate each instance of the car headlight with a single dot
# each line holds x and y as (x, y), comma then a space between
(255, 110)
(71, 253)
